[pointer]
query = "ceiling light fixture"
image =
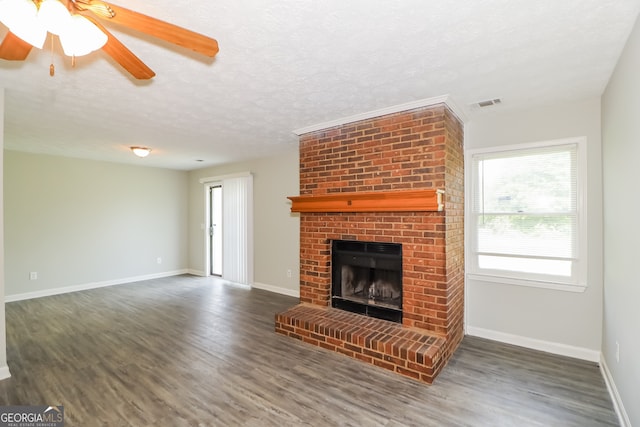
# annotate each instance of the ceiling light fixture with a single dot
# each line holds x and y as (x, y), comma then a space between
(141, 151)
(53, 16)
(21, 17)
(30, 20)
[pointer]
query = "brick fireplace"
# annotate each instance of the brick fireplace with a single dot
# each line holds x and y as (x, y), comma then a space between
(403, 154)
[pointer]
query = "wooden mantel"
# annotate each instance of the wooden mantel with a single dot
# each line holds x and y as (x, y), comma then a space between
(379, 201)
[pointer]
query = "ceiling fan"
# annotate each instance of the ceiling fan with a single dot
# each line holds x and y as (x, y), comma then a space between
(98, 13)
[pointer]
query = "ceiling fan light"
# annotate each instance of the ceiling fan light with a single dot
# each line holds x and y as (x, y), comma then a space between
(54, 16)
(31, 32)
(81, 37)
(13, 12)
(34, 34)
(141, 151)
(20, 16)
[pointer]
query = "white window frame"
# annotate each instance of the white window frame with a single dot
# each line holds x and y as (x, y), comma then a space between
(578, 281)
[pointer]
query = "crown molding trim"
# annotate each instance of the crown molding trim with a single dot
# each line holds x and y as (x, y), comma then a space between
(444, 99)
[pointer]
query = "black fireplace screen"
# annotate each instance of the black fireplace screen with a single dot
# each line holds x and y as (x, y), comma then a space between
(367, 278)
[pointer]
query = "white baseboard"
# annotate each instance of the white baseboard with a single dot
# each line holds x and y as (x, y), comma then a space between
(4, 372)
(623, 417)
(93, 285)
(563, 350)
(197, 272)
(276, 289)
(535, 344)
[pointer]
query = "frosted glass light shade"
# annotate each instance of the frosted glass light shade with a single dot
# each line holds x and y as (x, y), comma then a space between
(14, 12)
(78, 35)
(141, 151)
(54, 16)
(81, 37)
(21, 17)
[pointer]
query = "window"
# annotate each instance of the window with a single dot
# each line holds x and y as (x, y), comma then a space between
(527, 223)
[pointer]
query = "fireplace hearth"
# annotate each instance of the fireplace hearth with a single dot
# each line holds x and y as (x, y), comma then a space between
(367, 278)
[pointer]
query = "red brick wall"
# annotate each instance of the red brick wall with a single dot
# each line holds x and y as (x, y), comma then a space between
(421, 148)
(454, 223)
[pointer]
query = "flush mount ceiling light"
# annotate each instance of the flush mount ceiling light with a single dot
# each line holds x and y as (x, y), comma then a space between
(141, 151)
(78, 23)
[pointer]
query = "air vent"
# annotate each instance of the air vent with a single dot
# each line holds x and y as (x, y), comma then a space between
(489, 102)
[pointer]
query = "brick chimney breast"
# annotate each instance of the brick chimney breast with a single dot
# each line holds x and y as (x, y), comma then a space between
(416, 149)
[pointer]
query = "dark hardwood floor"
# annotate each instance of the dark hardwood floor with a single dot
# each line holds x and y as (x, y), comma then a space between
(189, 351)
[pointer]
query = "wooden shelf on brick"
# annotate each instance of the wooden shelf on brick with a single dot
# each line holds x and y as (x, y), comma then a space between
(380, 201)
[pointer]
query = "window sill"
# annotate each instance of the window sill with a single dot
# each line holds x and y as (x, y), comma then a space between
(487, 278)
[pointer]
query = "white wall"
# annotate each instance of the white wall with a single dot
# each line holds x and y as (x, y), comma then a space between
(4, 369)
(276, 229)
(557, 321)
(621, 156)
(80, 223)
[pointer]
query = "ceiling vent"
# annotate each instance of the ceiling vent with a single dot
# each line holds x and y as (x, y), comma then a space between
(489, 102)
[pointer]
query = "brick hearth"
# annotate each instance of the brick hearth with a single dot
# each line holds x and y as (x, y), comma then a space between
(411, 150)
(410, 352)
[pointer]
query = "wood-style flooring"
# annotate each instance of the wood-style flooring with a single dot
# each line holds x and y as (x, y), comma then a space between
(190, 351)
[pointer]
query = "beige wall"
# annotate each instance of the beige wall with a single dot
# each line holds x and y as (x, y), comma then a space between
(83, 222)
(276, 229)
(4, 369)
(558, 321)
(621, 152)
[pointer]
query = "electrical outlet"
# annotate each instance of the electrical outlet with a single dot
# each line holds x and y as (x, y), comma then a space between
(33, 275)
(159, 260)
(617, 352)
(289, 273)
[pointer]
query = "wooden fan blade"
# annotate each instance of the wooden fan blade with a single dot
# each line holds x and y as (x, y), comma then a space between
(123, 56)
(13, 48)
(163, 30)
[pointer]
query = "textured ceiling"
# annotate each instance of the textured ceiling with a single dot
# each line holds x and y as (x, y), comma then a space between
(289, 64)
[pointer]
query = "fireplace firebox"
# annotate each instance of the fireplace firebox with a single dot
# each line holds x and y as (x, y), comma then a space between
(367, 278)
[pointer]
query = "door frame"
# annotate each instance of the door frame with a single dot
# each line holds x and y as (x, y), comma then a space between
(212, 181)
(218, 231)
(207, 224)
